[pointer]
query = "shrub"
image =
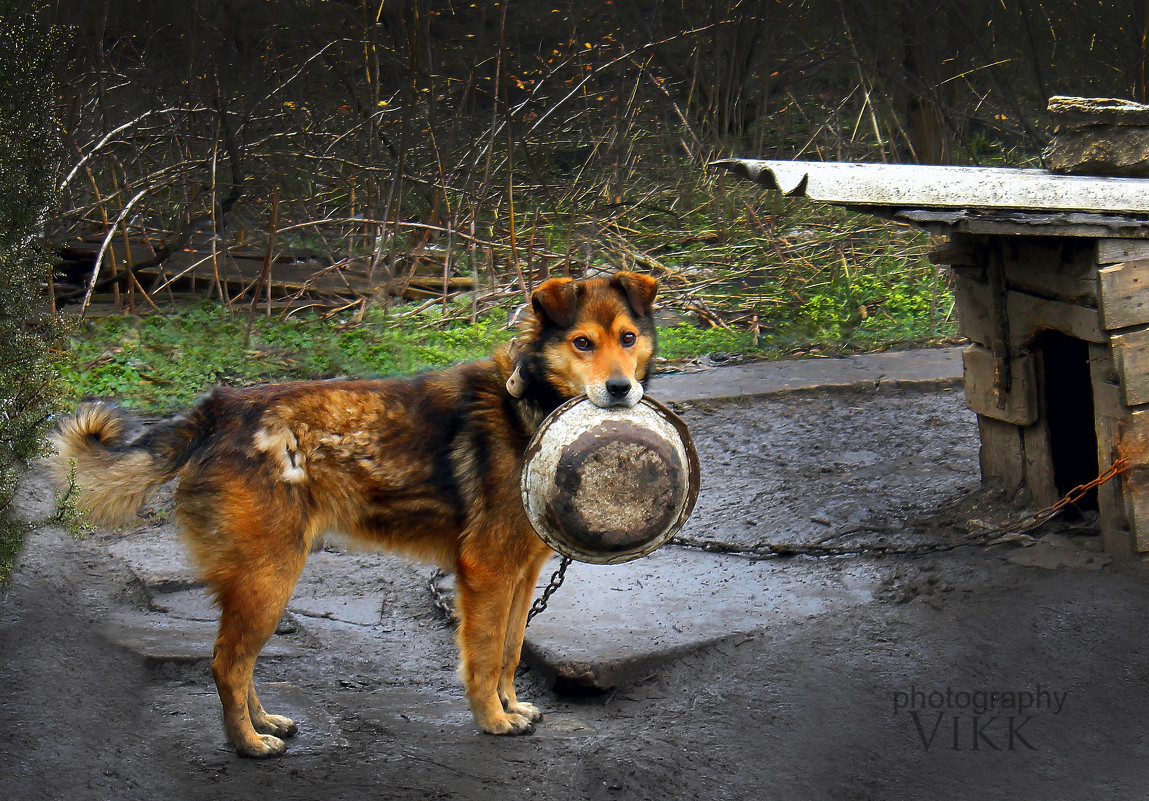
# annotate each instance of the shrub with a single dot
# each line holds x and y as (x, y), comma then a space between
(29, 158)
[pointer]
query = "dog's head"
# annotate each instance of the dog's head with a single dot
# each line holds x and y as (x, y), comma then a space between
(594, 336)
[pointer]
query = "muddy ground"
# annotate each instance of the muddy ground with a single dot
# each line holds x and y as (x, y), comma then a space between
(970, 673)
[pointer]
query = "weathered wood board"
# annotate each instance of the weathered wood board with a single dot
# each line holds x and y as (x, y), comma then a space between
(1135, 446)
(973, 314)
(1029, 316)
(1124, 294)
(1002, 455)
(1039, 474)
(1057, 269)
(1131, 358)
(1109, 415)
(1019, 405)
(1111, 251)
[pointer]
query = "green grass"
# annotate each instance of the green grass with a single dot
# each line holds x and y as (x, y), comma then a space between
(817, 277)
(164, 361)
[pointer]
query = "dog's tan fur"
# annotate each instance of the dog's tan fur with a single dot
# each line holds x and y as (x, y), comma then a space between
(428, 466)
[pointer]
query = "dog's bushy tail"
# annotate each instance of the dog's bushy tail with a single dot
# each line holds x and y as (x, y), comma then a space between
(113, 462)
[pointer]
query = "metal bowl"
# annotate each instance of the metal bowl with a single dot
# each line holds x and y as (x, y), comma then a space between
(609, 485)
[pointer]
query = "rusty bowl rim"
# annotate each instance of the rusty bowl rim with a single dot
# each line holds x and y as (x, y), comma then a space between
(693, 479)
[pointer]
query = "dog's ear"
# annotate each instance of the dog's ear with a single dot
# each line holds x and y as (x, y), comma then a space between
(640, 290)
(516, 384)
(556, 299)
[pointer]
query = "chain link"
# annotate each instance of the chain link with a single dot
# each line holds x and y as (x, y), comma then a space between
(556, 581)
(442, 598)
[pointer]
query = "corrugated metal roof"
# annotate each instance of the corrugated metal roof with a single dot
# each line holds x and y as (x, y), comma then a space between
(909, 186)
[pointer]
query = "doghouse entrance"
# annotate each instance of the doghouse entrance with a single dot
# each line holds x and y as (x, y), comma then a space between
(1068, 405)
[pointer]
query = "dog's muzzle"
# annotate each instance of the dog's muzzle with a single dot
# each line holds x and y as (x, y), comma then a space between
(615, 392)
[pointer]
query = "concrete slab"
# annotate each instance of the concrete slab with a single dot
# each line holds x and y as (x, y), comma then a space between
(159, 639)
(161, 562)
(193, 604)
(921, 369)
(611, 625)
(355, 609)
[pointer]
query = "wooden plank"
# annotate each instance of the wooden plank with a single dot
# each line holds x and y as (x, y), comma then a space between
(963, 252)
(1058, 269)
(344, 279)
(1002, 456)
(1039, 478)
(1019, 405)
(1084, 226)
(1110, 414)
(1101, 366)
(85, 251)
(1029, 316)
(1134, 445)
(1131, 358)
(1137, 506)
(1134, 437)
(973, 318)
(999, 318)
(1124, 294)
(1112, 251)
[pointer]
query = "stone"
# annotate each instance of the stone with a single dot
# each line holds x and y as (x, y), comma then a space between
(1098, 136)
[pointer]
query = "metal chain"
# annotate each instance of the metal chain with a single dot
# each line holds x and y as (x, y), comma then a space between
(556, 581)
(442, 601)
(440, 598)
(1016, 532)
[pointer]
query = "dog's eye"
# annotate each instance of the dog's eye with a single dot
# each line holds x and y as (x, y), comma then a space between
(628, 339)
(582, 343)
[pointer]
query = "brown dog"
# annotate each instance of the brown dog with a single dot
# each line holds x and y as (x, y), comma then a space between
(428, 466)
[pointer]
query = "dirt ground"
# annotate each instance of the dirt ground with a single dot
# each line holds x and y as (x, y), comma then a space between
(967, 673)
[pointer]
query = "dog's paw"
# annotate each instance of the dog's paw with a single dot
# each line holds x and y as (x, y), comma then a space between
(264, 746)
(528, 711)
(509, 725)
(275, 724)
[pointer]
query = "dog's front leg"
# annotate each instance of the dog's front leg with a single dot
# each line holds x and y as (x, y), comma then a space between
(486, 591)
(513, 646)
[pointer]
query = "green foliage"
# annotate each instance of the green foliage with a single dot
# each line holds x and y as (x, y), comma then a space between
(29, 152)
(69, 514)
(164, 361)
(686, 341)
(11, 536)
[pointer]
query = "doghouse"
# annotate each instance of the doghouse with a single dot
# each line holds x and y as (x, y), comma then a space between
(1051, 277)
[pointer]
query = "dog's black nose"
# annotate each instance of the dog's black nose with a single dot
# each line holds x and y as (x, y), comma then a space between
(618, 388)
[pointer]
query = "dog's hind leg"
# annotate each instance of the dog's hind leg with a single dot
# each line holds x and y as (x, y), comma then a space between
(265, 723)
(513, 645)
(258, 554)
(252, 597)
